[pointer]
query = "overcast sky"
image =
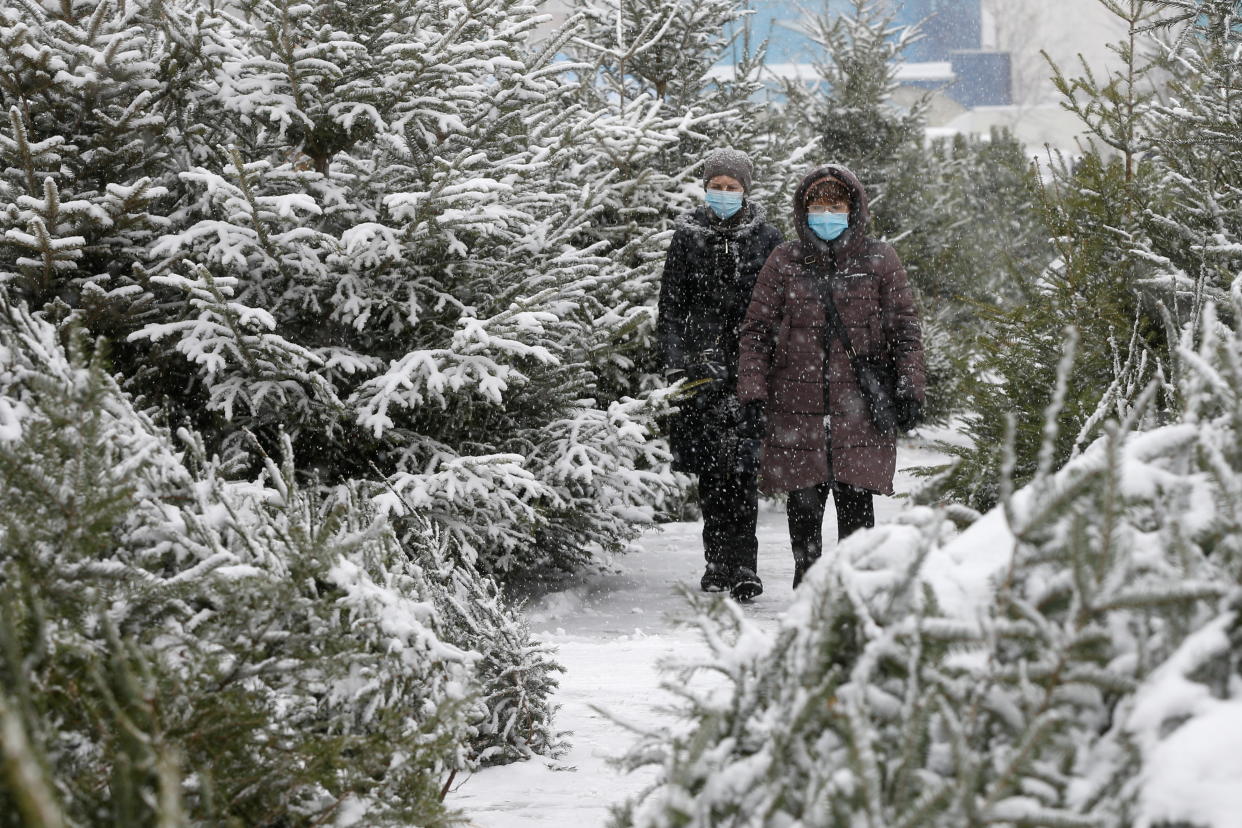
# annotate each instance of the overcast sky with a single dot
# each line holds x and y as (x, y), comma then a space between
(1062, 28)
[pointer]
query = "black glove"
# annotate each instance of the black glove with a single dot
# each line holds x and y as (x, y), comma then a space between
(909, 413)
(746, 463)
(753, 421)
(707, 370)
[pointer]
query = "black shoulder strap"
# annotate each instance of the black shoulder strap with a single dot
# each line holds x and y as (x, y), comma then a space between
(872, 385)
(833, 326)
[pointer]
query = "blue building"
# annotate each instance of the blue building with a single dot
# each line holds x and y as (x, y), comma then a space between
(948, 58)
(948, 26)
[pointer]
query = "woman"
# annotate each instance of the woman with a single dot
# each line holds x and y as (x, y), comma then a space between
(794, 368)
(713, 260)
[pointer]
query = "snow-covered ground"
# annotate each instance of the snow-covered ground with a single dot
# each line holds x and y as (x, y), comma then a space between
(611, 631)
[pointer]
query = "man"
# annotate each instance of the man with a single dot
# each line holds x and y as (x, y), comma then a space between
(709, 272)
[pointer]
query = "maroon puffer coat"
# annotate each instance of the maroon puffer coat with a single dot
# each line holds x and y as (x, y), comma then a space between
(782, 362)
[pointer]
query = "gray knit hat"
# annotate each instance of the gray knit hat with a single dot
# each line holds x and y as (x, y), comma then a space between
(730, 162)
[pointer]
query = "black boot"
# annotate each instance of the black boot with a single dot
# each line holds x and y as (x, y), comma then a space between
(805, 556)
(717, 577)
(806, 518)
(746, 584)
(801, 565)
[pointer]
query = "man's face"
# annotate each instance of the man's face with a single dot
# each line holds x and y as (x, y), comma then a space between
(725, 184)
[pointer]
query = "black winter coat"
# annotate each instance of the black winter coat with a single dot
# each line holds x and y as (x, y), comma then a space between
(709, 273)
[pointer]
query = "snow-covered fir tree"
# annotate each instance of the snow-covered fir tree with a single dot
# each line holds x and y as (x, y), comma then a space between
(849, 107)
(1096, 278)
(175, 637)
(972, 230)
(232, 632)
(649, 72)
(1193, 228)
(516, 673)
(85, 166)
(372, 236)
(1036, 669)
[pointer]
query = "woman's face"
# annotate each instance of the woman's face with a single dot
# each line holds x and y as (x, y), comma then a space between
(829, 204)
(725, 184)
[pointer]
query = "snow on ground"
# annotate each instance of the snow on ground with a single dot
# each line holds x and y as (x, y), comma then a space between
(610, 631)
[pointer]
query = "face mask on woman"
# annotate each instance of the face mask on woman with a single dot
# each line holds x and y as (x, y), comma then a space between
(828, 225)
(724, 203)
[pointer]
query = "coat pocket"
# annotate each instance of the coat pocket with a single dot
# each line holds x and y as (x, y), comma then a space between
(798, 396)
(786, 430)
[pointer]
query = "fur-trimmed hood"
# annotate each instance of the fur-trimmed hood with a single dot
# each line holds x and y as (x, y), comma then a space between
(850, 244)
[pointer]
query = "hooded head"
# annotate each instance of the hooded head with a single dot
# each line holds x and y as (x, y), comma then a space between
(850, 242)
(733, 163)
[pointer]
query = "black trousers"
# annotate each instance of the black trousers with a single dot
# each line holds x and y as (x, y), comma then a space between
(805, 511)
(730, 504)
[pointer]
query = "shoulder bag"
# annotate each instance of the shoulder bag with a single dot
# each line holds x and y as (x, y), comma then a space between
(875, 383)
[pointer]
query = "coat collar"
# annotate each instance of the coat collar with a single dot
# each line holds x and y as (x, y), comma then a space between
(703, 221)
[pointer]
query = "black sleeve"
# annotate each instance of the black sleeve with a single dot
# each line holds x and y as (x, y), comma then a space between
(757, 342)
(672, 308)
(772, 239)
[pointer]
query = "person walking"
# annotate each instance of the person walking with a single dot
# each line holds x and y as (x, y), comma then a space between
(832, 292)
(713, 260)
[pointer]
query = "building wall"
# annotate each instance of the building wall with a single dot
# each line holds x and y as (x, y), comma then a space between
(776, 21)
(946, 26)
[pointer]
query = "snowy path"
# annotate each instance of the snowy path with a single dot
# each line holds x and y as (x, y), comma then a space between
(610, 632)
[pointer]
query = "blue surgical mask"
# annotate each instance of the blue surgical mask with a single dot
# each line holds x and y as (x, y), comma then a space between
(828, 225)
(723, 203)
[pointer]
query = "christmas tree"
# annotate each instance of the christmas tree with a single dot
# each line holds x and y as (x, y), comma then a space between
(360, 226)
(1018, 672)
(174, 634)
